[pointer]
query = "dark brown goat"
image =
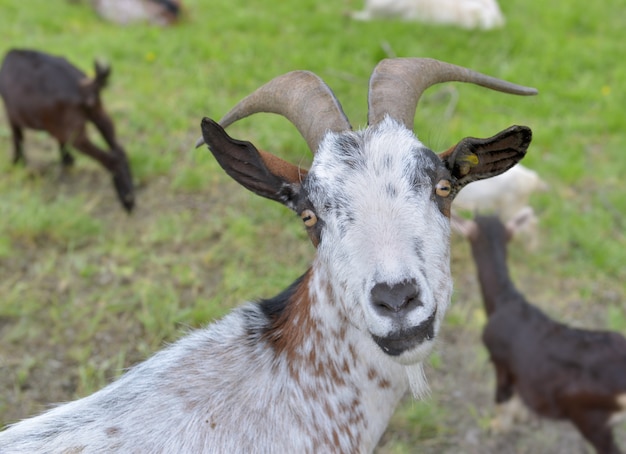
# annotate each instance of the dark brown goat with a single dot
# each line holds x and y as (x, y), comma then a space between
(558, 371)
(48, 93)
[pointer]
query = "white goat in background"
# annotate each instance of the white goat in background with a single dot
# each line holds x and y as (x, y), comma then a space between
(124, 12)
(505, 194)
(322, 366)
(470, 14)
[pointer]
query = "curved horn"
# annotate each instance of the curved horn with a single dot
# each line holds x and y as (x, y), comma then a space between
(397, 84)
(301, 97)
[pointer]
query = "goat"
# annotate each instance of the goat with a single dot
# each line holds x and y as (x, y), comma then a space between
(504, 195)
(48, 93)
(558, 371)
(469, 14)
(321, 366)
(124, 12)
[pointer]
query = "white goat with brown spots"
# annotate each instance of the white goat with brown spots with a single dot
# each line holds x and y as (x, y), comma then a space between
(322, 366)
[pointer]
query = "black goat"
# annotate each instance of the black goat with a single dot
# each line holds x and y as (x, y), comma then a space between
(558, 371)
(48, 93)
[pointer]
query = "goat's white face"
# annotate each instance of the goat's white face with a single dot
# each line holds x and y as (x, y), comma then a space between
(376, 202)
(383, 234)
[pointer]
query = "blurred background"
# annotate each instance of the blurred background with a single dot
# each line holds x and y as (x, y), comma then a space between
(87, 290)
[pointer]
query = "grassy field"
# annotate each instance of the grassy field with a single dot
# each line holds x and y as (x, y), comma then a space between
(86, 290)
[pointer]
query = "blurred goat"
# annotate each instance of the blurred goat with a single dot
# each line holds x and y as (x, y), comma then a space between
(504, 195)
(470, 14)
(322, 366)
(124, 12)
(558, 371)
(48, 93)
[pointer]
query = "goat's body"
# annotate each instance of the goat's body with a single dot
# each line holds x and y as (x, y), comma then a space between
(49, 99)
(225, 389)
(559, 372)
(527, 343)
(482, 14)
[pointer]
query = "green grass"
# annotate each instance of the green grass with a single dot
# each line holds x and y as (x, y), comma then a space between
(95, 290)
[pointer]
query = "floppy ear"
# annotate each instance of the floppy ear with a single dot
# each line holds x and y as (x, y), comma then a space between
(103, 71)
(260, 172)
(475, 159)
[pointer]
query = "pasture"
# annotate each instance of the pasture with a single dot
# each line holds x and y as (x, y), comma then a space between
(87, 290)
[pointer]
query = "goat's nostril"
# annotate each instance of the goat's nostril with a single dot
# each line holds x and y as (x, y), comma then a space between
(411, 300)
(395, 299)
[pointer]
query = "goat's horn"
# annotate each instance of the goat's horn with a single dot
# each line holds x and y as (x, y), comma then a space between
(301, 97)
(397, 84)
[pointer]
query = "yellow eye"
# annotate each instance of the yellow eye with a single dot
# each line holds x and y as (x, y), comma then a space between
(309, 218)
(443, 188)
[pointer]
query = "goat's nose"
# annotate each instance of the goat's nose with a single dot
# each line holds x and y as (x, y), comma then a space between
(395, 300)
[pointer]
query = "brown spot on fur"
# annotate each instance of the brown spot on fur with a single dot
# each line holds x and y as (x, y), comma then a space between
(112, 431)
(340, 334)
(312, 357)
(310, 393)
(329, 411)
(294, 371)
(319, 337)
(353, 354)
(384, 384)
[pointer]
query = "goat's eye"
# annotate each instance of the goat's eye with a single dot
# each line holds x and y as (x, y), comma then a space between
(309, 218)
(443, 188)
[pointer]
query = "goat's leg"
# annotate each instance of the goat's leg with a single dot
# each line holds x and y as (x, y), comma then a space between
(18, 139)
(504, 382)
(594, 426)
(67, 159)
(104, 125)
(116, 164)
(82, 143)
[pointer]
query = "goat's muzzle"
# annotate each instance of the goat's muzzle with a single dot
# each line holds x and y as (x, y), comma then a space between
(403, 340)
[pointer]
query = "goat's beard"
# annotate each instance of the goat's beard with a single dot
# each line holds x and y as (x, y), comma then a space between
(417, 380)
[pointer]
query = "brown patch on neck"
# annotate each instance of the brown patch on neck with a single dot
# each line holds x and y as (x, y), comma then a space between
(294, 324)
(304, 340)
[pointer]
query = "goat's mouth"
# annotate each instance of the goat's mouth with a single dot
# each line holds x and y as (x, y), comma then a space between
(405, 339)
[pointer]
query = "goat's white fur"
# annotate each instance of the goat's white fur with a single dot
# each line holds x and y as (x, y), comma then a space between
(470, 14)
(225, 389)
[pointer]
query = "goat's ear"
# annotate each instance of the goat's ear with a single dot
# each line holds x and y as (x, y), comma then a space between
(103, 71)
(259, 171)
(522, 220)
(465, 227)
(475, 159)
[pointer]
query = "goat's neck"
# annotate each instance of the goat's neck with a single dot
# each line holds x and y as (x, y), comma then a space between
(332, 360)
(493, 275)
